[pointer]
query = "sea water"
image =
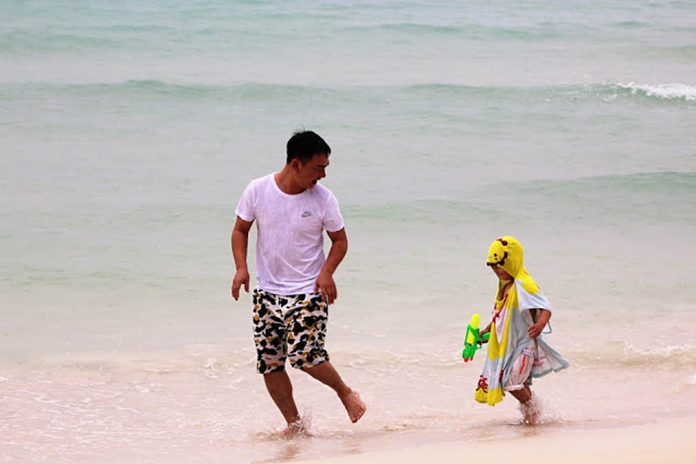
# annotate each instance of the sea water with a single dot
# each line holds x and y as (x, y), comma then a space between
(129, 129)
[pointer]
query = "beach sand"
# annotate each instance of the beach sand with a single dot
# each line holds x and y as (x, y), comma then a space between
(666, 441)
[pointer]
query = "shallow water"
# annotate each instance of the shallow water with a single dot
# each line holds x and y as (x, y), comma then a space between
(203, 407)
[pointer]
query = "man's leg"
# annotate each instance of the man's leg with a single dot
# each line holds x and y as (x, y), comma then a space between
(280, 388)
(328, 375)
(306, 351)
(269, 338)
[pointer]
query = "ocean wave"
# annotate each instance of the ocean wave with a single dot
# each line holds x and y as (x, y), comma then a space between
(439, 94)
(214, 362)
(631, 24)
(679, 182)
(607, 92)
(158, 87)
(472, 31)
(626, 355)
(415, 28)
(619, 355)
(40, 41)
(650, 196)
(226, 27)
(661, 91)
(666, 195)
(174, 90)
(254, 89)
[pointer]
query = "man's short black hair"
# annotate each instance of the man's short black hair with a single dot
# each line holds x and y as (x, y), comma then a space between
(303, 145)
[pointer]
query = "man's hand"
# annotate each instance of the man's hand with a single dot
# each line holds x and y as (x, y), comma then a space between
(241, 277)
(326, 285)
(239, 241)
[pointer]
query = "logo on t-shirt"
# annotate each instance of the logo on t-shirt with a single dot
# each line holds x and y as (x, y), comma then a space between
(306, 214)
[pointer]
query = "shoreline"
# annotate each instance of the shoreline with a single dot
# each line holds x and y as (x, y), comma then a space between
(665, 441)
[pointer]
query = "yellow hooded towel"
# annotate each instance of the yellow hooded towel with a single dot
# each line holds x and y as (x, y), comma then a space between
(513, 358)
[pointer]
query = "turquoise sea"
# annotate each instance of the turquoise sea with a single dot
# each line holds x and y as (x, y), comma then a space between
(129, 129)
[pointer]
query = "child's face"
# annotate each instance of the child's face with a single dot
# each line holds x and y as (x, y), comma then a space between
(502, 275)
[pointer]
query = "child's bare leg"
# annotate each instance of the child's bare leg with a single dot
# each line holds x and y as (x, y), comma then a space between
(522, 395)
(528, 405)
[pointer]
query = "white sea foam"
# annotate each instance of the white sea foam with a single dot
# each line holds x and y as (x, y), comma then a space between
(211, 369)
(666, 91)
(660, 351)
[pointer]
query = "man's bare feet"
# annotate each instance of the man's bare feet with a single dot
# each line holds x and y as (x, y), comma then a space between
(354, 405)
(294, 429)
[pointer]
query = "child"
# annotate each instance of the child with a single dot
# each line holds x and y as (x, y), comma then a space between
(516, 351)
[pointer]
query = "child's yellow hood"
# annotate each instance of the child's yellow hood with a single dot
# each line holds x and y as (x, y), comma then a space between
(508, 254)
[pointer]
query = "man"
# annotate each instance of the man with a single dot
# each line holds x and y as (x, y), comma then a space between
(295, 279)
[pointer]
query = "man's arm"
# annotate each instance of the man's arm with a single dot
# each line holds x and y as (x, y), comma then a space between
(325, 282)
(239, 242)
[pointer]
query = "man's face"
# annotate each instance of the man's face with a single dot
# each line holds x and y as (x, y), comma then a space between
(309, 174)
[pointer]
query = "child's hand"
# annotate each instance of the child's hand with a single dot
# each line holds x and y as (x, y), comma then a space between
(483, 332)
(534, 330)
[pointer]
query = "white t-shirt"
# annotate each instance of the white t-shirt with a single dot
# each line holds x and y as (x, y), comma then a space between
(290, 240)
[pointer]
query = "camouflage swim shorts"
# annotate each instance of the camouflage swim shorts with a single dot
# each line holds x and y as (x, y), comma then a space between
(291, 327)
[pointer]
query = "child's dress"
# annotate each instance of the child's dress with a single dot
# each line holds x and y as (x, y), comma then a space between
(513, 358)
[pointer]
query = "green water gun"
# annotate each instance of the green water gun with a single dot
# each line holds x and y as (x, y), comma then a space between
(473, 339)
